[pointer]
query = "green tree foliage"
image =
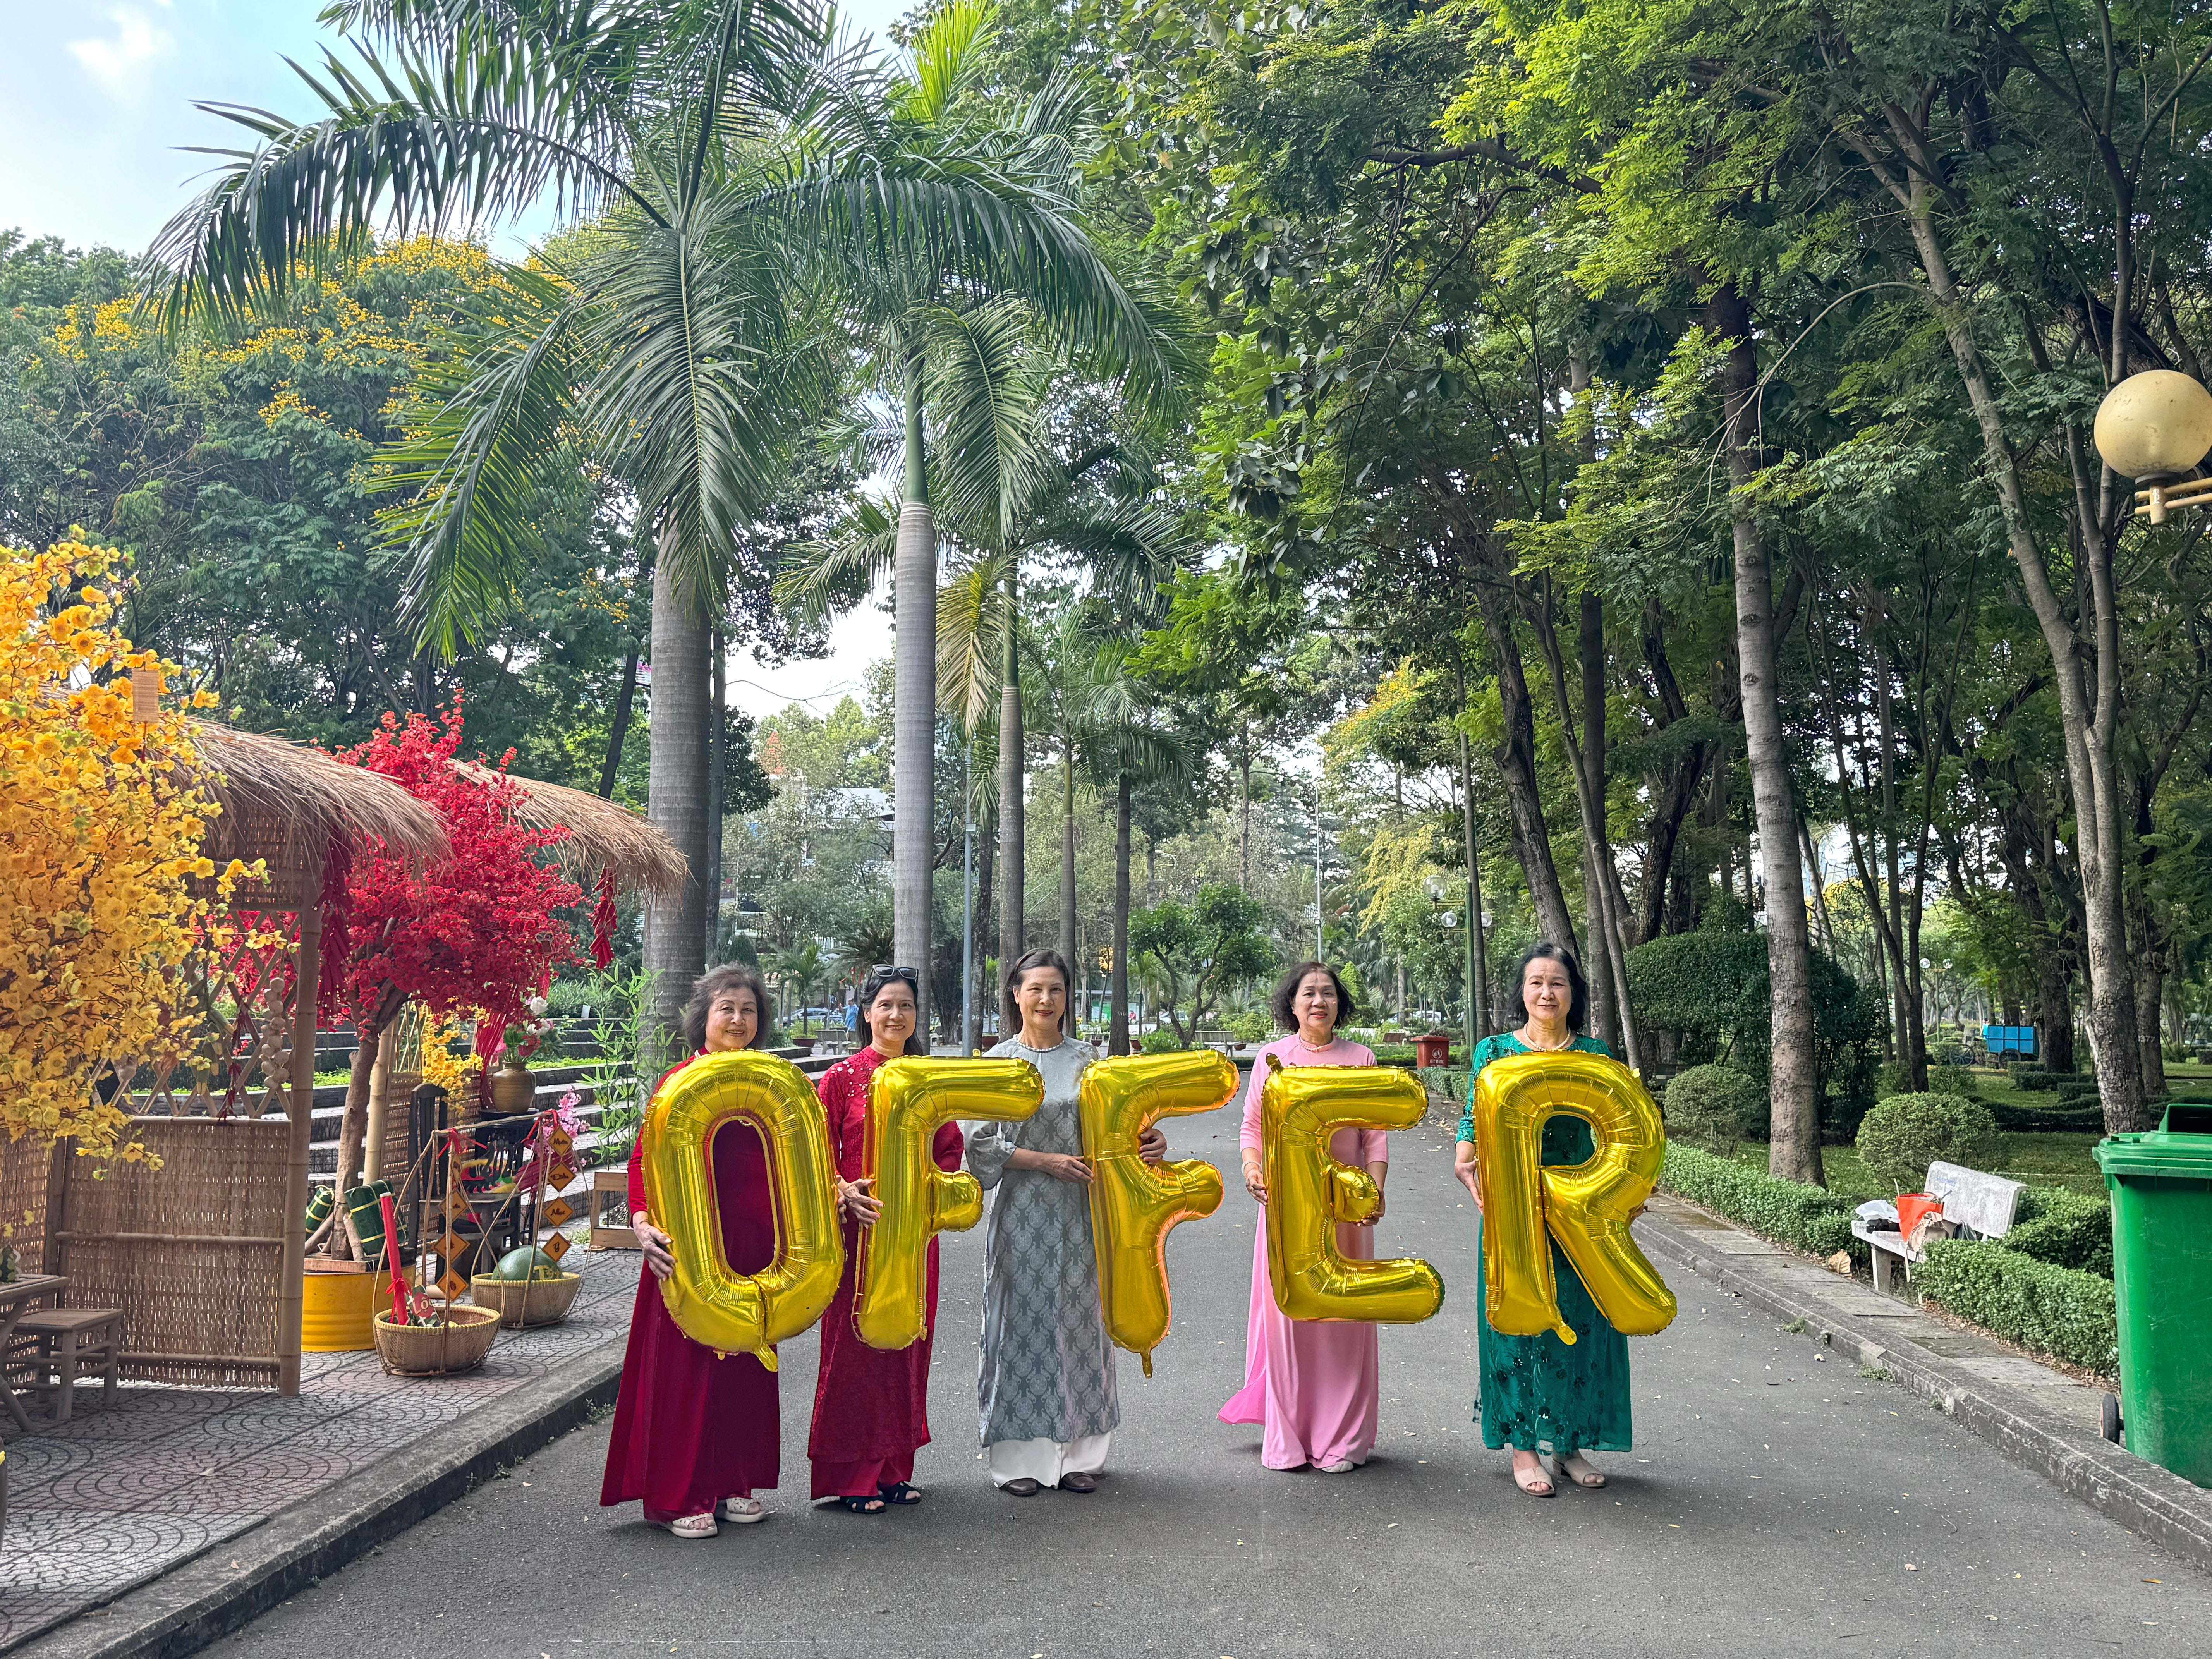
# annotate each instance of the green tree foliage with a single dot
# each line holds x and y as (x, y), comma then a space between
(1902, 1135)
(1194, 953)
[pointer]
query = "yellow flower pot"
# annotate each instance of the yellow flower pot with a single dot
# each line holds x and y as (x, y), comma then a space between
(335, 1310)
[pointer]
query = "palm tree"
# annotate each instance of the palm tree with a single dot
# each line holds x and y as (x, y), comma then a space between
(798, 968)
(925, 304)
(736, 159)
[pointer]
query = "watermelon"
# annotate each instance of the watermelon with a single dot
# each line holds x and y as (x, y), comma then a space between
(527, 1263)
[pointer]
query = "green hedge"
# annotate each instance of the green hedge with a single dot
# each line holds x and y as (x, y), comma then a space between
(2060, 1311)
(2064, 1228)
(1808, 1218)
(1449, 1081)
(2038, 1120)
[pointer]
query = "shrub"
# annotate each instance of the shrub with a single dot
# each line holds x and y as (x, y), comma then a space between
(1162, 1041)
(1252, 1026)
(1713, 1106)
(1952, 1080)
(1447, 1082)
(2033, 1079)
(2063, 1311)
(1947, 1050)
(2024, 1120)
(2075, 1100)
(1888, 1080)
(2064, 1228)
(1904, 1135)
(1808, 1218)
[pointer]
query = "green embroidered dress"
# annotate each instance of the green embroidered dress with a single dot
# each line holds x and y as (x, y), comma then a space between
(1537, 1393)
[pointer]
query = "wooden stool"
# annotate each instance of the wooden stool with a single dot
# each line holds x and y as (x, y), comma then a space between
(71, 1341)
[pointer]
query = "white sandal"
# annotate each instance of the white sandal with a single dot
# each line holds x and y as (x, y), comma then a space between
(743, 1511)
(691, 1526)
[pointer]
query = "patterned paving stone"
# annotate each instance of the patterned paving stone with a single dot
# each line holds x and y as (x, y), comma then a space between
(120, 1494)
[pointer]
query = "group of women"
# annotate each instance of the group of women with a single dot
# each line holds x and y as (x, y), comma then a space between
(696, 1433)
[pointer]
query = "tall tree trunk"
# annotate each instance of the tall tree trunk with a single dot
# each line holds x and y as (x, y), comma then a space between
(1244, 810)
(718, 765)
(2054, 1009)
(623, 699)
(1012, 764)
(1516, 765)
(2088, 713)
(1068, 949)
(914, 763)
(1118, 1043)
(983, 995)
(1794, 1152)
(676, 799)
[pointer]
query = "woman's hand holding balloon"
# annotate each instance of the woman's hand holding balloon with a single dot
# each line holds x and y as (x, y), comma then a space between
(659, 1256)
(858, 1203)
(1153, 1144)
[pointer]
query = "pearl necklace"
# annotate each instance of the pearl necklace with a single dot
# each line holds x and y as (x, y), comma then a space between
(1544, 1048)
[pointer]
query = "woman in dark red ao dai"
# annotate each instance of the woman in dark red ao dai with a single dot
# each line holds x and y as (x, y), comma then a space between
(871, 1405)
(695, 1432)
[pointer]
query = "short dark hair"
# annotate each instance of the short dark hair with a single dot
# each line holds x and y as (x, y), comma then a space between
(734, 976)
(1043, 957)
(1578, 1005)
(1286, 992)
(873, 987)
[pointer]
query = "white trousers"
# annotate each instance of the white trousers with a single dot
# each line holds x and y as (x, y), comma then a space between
(1045, 1461)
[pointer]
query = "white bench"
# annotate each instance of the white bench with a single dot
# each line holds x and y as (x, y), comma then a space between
(1982, 1205)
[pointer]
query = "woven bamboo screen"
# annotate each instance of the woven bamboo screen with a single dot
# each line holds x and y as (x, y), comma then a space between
(192, 1253)
(23, 1169)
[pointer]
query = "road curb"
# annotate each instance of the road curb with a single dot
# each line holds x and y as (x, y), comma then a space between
(235, 1580)
(2140, 1495)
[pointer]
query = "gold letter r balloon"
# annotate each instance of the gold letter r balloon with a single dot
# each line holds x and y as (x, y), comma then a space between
(909, 1099)
(728, 1311)
(1133, 1204)
(1587, 1208)
(1309, 1193)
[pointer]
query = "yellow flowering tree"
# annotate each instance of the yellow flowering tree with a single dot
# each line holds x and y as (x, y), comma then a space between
(100, 828)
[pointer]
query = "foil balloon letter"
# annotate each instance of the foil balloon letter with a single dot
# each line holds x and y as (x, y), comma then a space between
(1133, 1204)
(909, 1099)
(1310, 1193)
(1587, 1207)
(728, 1311)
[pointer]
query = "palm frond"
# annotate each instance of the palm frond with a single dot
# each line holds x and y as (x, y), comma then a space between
(986, 389)
(839, 571)
(972, 620)
(502, 396)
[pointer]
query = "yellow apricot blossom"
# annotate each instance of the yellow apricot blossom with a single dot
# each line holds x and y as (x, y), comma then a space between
(101, 822)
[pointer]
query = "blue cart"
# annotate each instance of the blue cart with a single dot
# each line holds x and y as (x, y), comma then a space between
(2009, 1040)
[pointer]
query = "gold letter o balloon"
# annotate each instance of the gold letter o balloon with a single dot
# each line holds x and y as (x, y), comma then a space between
(728, 1311)
(1133, 1204)
(1587, 1207)
(909, 1099)
(1309, 1193)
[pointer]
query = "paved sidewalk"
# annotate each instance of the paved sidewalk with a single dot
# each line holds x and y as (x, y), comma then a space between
(2037, 1416)
(115, 1497)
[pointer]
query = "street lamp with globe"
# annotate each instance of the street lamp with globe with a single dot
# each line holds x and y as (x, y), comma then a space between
(2155, 427)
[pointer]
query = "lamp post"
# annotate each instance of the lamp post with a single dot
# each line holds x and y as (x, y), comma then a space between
(2154, 427)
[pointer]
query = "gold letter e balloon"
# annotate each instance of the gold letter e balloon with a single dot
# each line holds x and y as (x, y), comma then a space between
(1586, 1206)
(712, 1303)
(1310, 1193)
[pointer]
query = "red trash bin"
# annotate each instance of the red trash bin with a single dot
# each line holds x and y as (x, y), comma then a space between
(1433, 1049)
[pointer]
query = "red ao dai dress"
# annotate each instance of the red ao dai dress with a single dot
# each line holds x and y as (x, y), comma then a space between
(692, 1427)
(871, 1405)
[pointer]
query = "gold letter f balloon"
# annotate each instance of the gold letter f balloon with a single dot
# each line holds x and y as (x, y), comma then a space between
(1587, 1207)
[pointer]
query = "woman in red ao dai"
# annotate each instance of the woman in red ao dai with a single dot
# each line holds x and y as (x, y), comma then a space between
(695, 1432)
(871, 1406)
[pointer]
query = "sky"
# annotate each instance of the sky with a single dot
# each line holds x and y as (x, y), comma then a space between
(96, 115)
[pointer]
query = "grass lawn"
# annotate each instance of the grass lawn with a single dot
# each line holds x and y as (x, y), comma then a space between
(2040, 1160)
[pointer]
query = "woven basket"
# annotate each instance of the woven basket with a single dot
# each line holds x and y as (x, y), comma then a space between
(523, 1303)
(459, 1344)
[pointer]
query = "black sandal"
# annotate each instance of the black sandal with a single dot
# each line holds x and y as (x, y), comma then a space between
(900, 1493)
(861, 1505)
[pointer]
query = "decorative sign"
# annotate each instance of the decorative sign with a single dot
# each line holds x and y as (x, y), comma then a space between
(555, 1245)
(556, 1213)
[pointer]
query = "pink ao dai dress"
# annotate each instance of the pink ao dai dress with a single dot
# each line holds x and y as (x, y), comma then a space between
(1312, 1385)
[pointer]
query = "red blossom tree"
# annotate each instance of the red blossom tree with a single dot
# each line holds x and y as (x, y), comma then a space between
(474, 931)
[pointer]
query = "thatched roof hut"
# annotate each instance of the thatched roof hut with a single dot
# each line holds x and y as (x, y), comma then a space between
(602, 835)
(284, 802)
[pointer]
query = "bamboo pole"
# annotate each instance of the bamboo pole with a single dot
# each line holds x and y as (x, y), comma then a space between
(291, 1293)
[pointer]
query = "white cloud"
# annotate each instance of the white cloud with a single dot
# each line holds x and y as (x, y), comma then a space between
(115, 62)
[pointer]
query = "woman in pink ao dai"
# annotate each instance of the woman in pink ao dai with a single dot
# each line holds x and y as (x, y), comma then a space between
(1312, 1385)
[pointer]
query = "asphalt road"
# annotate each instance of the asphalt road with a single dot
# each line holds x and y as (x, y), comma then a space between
(1776, 1503)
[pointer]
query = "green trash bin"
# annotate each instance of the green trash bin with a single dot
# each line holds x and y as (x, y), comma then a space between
(2161, 1183)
